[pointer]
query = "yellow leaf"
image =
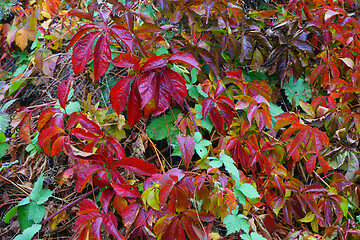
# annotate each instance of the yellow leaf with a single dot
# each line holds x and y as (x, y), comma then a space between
(308, 218)
(21, 39)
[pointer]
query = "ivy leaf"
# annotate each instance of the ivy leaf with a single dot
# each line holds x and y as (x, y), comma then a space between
(298, 90)
(4, 147)
(187, 145)
(252, 236)
(4, 121)
(230, 167)
(36, 212)
(248, 190)
(38, 194)
(200, 145)
(29, 232)
(234, 223)
(159, 128)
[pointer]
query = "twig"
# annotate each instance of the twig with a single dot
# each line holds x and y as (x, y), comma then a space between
(69, 205)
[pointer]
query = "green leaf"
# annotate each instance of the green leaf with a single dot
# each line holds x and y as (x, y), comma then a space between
(161, 51)
(4, 147)
(252, 236)
(207, 123)
(24, 201)
(194, 73)
(36, 212)
(29, 232)
(197, 137)
(274, 111)
(159, 128)
(240, 196)
(73, 107)
(300, 90)
(38, 194)
(249, 190)
(14, 87)
(2, 137)
(231, 168)
(4, 121)
(10, 214)
(7, 104)
(216, 164)
(235, 223)
(200, 147)
(23, 214)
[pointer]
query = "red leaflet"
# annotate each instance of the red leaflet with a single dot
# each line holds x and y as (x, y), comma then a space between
(102, 56)
(79, 34)
(82, 51)
(146, 86)
(119, 94)
(63, 92)
(126, 60)
(24, 131)
(124, 35)
(80, 13)
(125, 190)
(82, 134)
(84, 176)
(134, 106)
(137, 165)
(105, 198)
(58, 145)
(153, 63)
(176, 85)
(187, 147)
(89, 125)
(185, 58)
(45, 138)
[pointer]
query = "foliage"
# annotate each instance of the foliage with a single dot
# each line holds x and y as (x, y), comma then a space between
(259, 109)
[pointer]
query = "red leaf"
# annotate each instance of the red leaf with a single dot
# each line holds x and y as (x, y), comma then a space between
(324, 165)
(137, 165)
(310, 164)
(80, 13)
(80, 33)
(102, 56)
(208, 58)
(82, 134)
(125, 190)
(95, 229)
(119, 94)
(45, 138)
(115, 147)
(105, 199)
(252, 110)
(134, 106)
(218, 120)
(110, 224)
(126, 60)
(162, 97)
(207, 105)
(176, 85)
(187, 146)
(63, 92)
(124, 35)
(129, 213)
(155, 62)
(146, 86)
(82, 51)
(316, 73)
(89, 125)
(24, 131)
(295, 144)
(285, 119)
(58, 145)
(185, 58)
(84, 176)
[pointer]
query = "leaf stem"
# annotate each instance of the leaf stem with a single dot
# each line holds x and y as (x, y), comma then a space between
(191, 115)
(69, 205)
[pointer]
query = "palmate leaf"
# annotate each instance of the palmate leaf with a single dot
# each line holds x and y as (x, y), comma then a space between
(298, 90)
(236, 222)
